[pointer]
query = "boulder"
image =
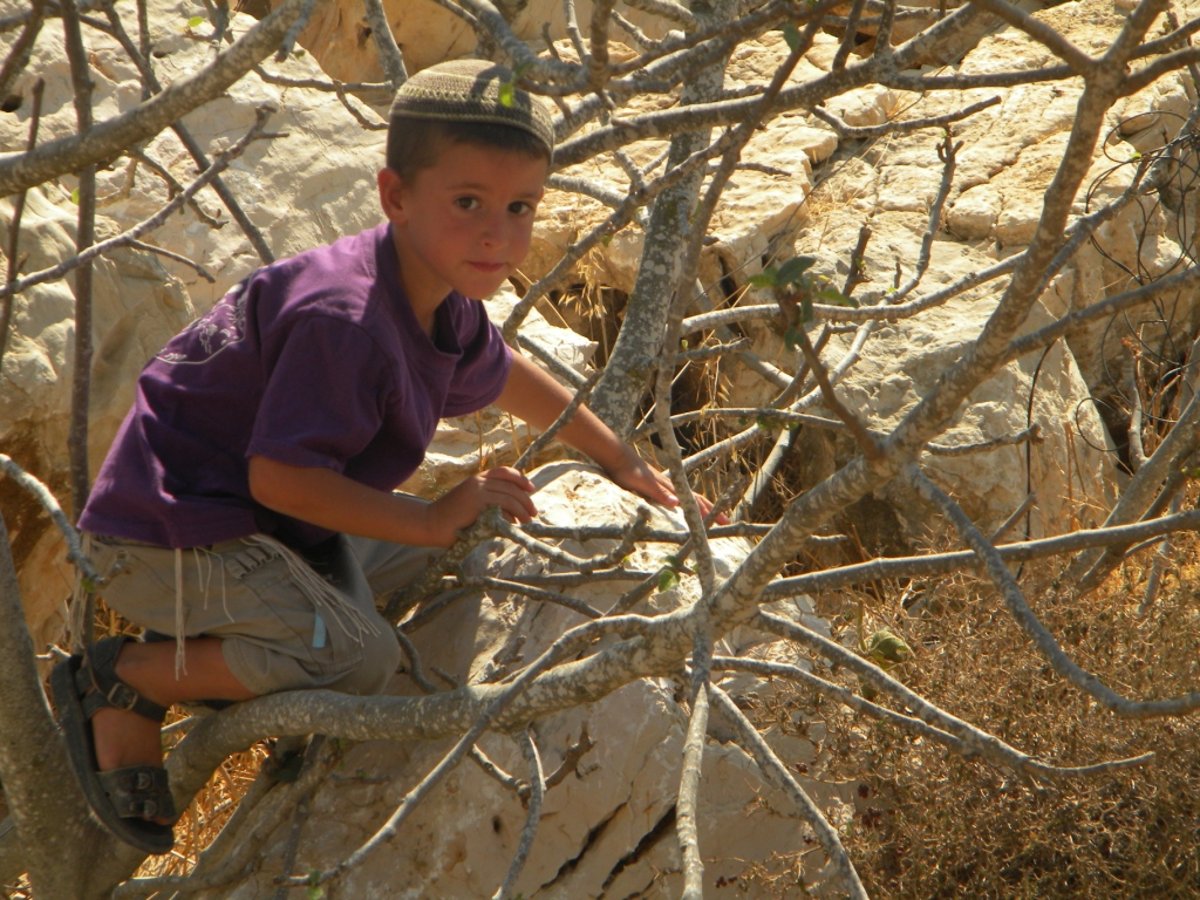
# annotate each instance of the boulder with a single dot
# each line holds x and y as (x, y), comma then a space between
(136, 306)
(603, 828)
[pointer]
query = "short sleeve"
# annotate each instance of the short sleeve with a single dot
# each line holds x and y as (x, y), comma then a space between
(324, 396)
(483, 369)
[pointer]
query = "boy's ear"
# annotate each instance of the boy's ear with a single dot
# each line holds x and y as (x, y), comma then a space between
(391, 194)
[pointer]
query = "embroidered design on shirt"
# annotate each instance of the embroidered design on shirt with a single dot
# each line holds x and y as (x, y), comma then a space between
(221, 326)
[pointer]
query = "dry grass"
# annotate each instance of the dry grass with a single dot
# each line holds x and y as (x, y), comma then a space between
(930, 824)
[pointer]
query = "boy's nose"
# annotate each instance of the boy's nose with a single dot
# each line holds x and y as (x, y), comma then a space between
(494, 231)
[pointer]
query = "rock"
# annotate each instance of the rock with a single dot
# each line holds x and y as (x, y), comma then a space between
(619, 796)
(136, 306)
(427, 33)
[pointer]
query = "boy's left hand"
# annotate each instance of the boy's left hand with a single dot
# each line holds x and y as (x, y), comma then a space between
(636, 475)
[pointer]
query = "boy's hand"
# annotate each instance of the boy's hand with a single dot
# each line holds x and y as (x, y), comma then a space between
(635, 474)
(504, 487)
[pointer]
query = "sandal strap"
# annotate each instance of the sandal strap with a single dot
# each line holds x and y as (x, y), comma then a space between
(139, 792)
(99, 687)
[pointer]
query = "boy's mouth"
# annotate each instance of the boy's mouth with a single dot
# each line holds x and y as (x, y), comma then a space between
(488, 267)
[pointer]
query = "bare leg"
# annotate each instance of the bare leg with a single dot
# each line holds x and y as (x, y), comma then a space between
(124, 738)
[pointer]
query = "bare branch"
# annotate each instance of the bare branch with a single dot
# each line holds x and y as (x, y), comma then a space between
(777, 773)
(536, 795)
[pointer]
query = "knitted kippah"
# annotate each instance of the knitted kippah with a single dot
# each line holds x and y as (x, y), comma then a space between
(473, 90)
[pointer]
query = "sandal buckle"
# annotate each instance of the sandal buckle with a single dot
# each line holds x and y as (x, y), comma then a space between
(122, 696)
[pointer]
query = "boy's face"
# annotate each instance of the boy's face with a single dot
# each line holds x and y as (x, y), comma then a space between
(465, 222)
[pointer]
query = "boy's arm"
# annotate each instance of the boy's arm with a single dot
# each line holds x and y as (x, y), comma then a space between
(330, 500)
(535, 397)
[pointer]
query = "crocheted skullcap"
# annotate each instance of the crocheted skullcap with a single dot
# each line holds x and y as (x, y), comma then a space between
(473, 90)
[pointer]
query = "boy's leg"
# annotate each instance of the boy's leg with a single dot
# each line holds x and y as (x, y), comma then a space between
(124, 738)
(390, 567)
(256, 630)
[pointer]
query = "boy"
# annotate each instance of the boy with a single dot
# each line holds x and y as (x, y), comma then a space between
(247, 507)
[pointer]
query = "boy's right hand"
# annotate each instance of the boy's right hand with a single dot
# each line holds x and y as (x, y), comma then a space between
(504, 487)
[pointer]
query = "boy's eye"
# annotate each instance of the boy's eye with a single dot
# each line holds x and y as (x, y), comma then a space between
(520, 208)
(467, 202)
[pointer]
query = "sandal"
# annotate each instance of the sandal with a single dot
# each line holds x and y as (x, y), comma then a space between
(126, 801)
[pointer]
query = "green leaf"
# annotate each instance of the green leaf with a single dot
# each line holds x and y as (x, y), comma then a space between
(791, 337)
(791, 34)
(806, 309)
(314, 890)
(75, 196)
(887, 648)
(835, 297)
(508, 93)
(768, 278)
(790, 271)
(667, 579)
(195, 21)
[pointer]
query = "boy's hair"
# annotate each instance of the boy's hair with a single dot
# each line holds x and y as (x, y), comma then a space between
(464, 101)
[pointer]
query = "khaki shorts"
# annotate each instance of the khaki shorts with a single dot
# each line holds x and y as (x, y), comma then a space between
(286, 621)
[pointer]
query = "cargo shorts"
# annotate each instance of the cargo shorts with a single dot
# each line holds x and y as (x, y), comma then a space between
(286, 621)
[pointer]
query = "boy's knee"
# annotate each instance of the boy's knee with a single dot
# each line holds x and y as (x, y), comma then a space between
(374, 664)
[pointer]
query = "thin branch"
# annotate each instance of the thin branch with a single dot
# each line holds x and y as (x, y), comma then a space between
(390, 55)
(537, 794)
(14, 232)
(20, 51)
(777, 773)
(948, 563)
(85, 236)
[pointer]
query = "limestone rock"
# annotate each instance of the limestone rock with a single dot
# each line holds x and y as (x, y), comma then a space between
(618, 797)
(427, 33)
(136, 306)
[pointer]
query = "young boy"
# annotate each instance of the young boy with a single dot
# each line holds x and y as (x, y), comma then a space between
(246, 507)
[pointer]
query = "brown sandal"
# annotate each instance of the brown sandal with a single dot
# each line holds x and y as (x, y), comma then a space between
(126, 801)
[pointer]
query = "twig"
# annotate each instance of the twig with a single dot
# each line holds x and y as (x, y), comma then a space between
(46, 499)
(85, 236)
(867, 444)
(177, 257)
(515, 587)
(947, 563)
(20, 51)
(293, 32)
(564, 418)
(687, 804)
(14, 232)
(980, 744)
(493, 771)
(576, 563)
(777, 773)
(570, 761)
(390, 55)
(1161, 559)
(537, 793)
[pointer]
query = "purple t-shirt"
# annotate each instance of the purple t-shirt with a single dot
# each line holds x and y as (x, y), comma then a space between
(316, 360)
